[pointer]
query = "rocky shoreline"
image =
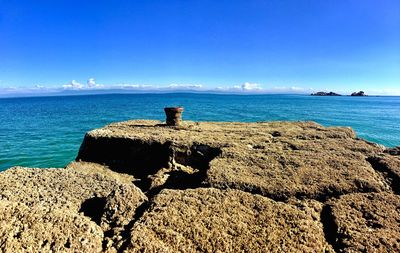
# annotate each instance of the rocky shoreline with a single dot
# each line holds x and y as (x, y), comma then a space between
(142, 186)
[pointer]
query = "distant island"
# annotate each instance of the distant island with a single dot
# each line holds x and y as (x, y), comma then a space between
(354, 94)
(322, 93)
(358, 94)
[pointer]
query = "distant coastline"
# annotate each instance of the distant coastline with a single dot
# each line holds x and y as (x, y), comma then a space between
(68, 93)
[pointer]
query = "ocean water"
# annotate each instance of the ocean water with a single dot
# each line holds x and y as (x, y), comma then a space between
(47, 131)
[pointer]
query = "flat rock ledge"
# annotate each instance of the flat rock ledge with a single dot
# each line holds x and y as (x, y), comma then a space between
(142, 186)
(212, 220)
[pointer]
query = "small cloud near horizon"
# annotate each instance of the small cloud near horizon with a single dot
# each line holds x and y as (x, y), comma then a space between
(185, 86)
(91, 83)
(73, 85)
(251, 86)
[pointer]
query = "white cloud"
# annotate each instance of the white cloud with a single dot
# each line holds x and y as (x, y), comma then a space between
(131, 86)
(251, 86)
(248, 87)
(383, 92)
(245, 87)
(235, 88)
(184, 86)
(73, 85)
(91, 82)
(291, 89)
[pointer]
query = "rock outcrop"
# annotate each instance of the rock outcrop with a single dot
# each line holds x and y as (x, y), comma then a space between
(278, 160)
(322, 93)
(358, 94)
(208, 187)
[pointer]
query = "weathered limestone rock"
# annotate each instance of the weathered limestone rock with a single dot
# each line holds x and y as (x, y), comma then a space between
(120, 210)
(40, 229)
(54, 188)
(59, 200)
(213, 220)
(389, 166)
(393, 151)
(368, 222)
(208, 187)
(276, 159)
(95, 168)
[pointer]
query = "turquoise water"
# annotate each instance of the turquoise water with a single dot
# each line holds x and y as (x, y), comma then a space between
(47, 131)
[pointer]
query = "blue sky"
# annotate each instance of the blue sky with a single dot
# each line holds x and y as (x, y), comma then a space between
(250, 46)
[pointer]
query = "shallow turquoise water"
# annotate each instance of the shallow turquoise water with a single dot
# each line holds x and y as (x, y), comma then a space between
(47, 131)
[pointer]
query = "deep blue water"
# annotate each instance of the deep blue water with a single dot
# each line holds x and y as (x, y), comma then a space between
(47, 131)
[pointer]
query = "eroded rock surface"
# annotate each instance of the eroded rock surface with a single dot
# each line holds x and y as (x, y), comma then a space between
(389, 166)
(367, 222)
(64, 209)
(213, 220)
(53, 188)
(393, 151)
(277, 159)
(208, 187)
(120, 210)
(43, 229)
(95, 168)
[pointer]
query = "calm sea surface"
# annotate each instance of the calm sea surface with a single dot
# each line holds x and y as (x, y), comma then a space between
(47, 131)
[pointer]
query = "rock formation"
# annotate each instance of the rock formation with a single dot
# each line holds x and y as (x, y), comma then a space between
(322, 93)
(358, 94)
(208, 187)
(393, 151)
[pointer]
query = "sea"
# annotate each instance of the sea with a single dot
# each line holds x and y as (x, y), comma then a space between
(47, 131)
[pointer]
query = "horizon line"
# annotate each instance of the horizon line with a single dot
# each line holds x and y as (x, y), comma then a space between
(69, 93)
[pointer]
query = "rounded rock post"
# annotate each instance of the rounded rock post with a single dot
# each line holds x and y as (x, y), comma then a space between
(174, 115)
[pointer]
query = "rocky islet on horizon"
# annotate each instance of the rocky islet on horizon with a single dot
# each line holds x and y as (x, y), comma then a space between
(331, 93)
(207, 187)
(358, 94)
(322, 93)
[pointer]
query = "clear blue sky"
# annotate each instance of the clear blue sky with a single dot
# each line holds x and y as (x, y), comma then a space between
(324, 45)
